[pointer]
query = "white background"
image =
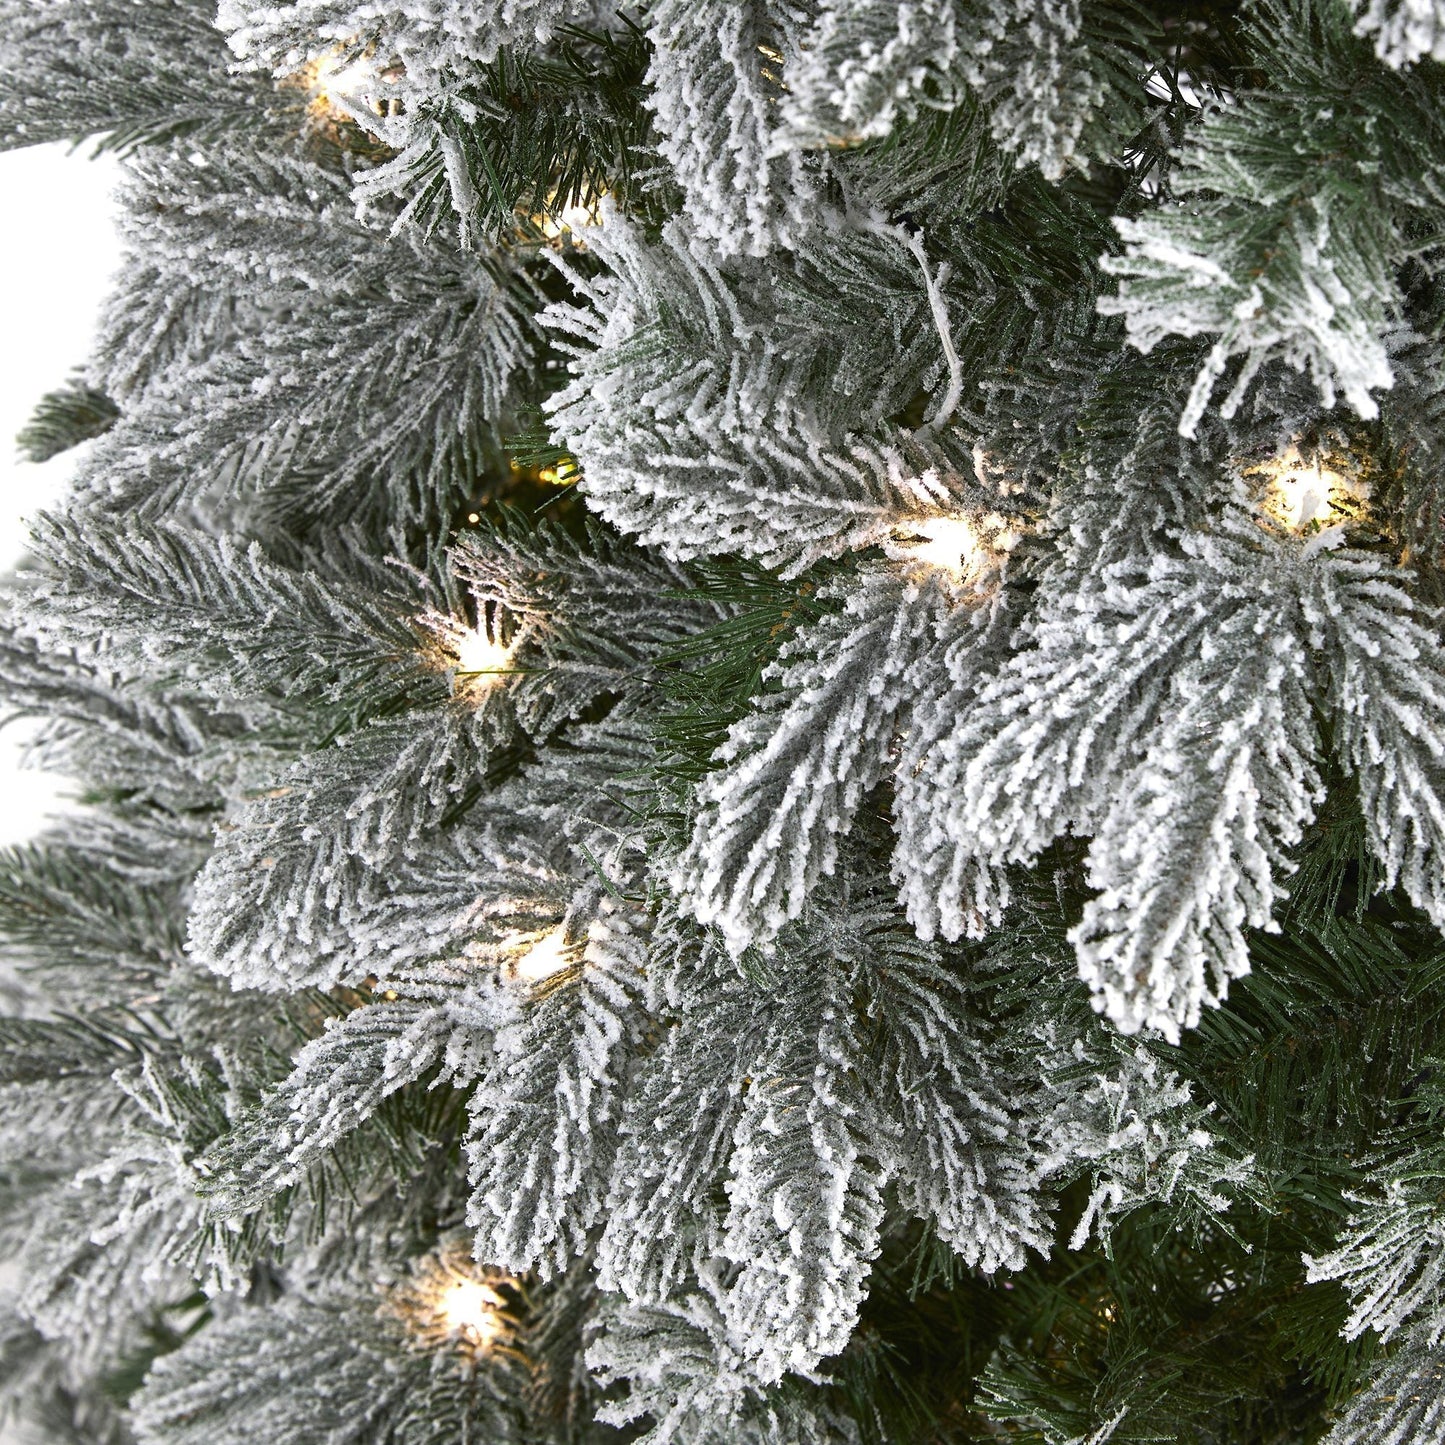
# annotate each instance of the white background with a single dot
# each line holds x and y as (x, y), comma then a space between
(58, 249)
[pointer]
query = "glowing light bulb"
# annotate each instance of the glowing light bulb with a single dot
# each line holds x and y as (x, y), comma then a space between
(1300, 492)
(554, 222)
(952, 545)
(469, 1308)
(478, 653)
(561, 474)
(577, 217)
(338, 83)
(546, 956)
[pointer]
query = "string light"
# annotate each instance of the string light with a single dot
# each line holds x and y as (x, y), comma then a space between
(526, 957)
(338, 84)
(958, 546)
(478, 654)
(1307, 494)
(543, 957)
(450, 1302)
(470, 1308)
(561, 474)
(475, 659)
(576, 217)
(557, 223)
(948, 543)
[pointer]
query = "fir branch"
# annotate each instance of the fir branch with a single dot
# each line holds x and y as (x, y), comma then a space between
(531, 135)
(63, 419)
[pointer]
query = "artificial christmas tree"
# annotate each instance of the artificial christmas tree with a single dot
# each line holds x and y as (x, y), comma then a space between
(761, 711)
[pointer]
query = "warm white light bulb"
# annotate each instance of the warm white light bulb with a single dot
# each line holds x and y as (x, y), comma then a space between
(469, 1307)
(333, 79)
(578, 216)
(1301, 492)
(952, 544)
(948, 544)
(546, 956)
(477, 653)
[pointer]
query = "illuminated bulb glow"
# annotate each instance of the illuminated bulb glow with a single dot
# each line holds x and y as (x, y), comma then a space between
(468, 1307)
(561, 475)
(477, 653)
(555, 224)
(548, 955)
(335, 84)
(578, 217)
(952, 545)
(1301, 492)
(949, 544)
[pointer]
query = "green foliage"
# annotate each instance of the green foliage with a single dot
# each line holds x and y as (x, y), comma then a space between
(62, 419)
(529, 137)
(355, 1378)
(270, 1045)
(67, 916)
(1319, 1045)
(706, 679)
(126, 75)
(1166, 1339)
